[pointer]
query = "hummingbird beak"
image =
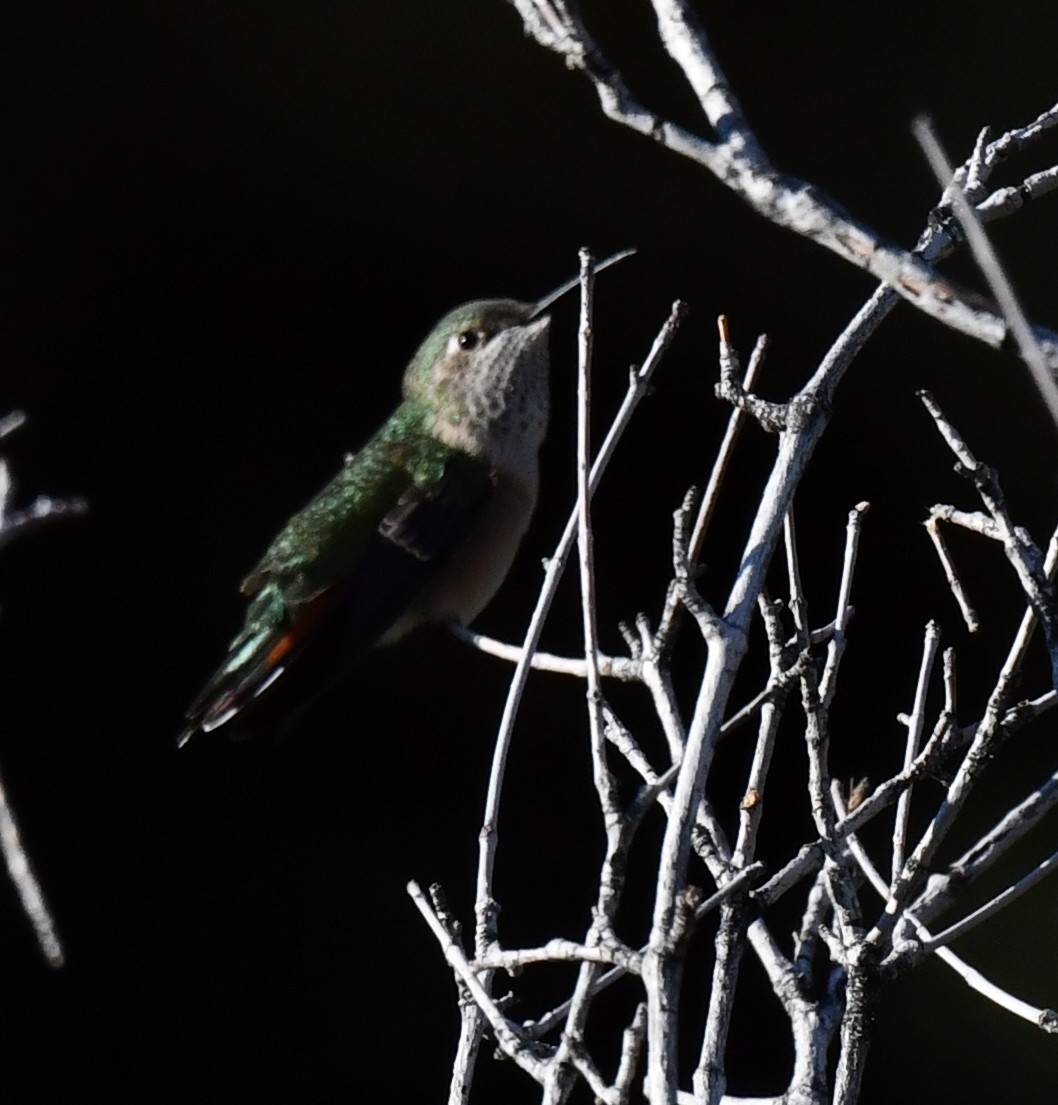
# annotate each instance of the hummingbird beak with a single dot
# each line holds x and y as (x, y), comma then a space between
(543, 304)
(534, 333)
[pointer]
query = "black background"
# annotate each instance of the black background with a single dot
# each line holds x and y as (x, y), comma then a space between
(226, 228)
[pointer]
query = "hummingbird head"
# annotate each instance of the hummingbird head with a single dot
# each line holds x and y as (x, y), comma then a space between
(482, 373)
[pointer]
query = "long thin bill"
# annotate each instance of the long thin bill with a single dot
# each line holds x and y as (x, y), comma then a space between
(559, 292)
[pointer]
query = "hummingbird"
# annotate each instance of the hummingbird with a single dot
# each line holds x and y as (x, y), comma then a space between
(421, 525)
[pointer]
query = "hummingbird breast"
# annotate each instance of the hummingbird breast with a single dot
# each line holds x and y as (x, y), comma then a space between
(482, 376)
(479, 564)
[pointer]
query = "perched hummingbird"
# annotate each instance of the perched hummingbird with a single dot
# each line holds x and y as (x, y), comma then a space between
(421, 525)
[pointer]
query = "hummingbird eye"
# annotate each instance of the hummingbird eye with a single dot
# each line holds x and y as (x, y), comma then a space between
(469, 339)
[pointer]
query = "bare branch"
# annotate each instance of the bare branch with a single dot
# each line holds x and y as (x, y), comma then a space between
(1030, 348)
(29, 891)
(1020, 550)
(16, 524)
(914, 736)
(829, 980)
(1046, 1019)
(969, 615)
(736, 159)
(612, 667)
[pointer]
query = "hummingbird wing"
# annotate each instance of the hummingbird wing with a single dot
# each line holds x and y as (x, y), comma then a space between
(343, 570)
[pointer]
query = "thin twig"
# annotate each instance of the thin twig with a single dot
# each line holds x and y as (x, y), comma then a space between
(1021, 552)
(507, 1035)
(969, 614)
(1043, 1018)
(29, 891)
(993, 906)
(1011, 828)
(711, 495)
(613, 667)
(843, 607)
(930, 644)
(1030, 348)
(16, 524)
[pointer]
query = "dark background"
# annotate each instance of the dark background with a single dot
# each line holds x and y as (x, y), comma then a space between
(226, 228)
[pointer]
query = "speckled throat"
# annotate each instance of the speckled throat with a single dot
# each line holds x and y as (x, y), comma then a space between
(483, 373)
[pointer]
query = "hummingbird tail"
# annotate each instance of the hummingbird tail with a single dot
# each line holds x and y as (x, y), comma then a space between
(256, 659)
